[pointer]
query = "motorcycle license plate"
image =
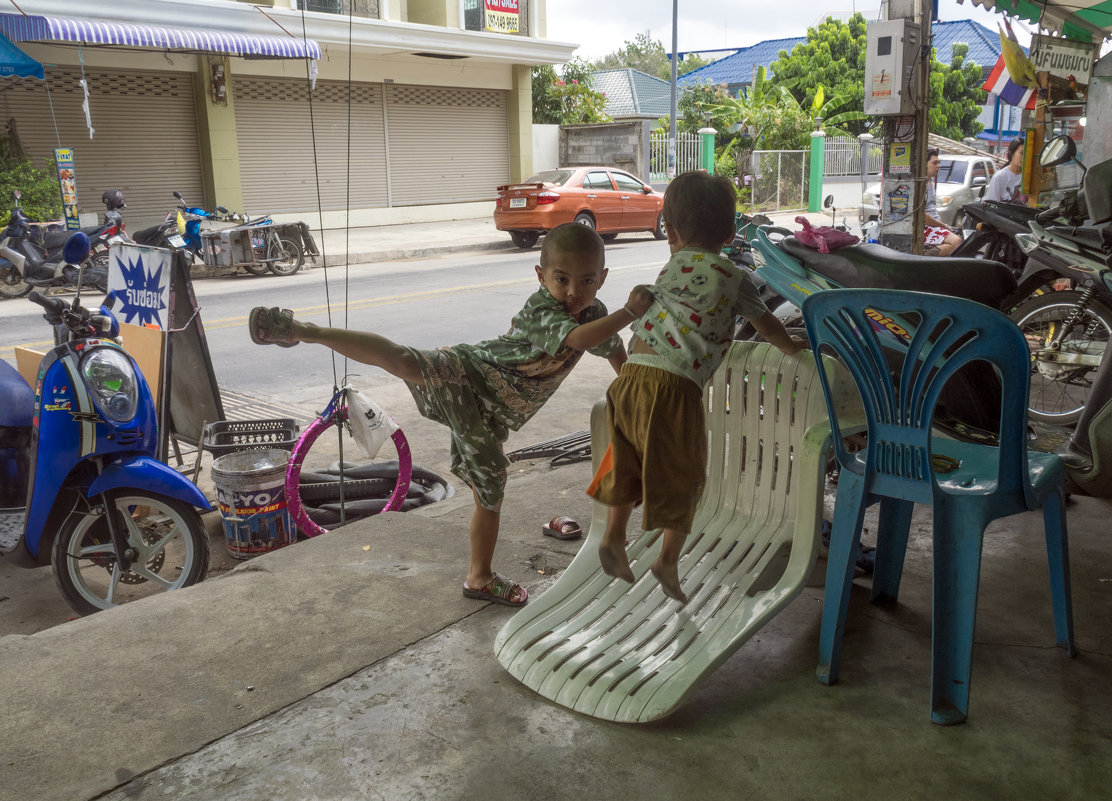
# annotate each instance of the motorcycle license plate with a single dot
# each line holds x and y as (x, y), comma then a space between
(517, 202)
(176, 240)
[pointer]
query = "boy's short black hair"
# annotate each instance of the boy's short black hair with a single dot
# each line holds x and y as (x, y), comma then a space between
(573, 238)
(700, 209)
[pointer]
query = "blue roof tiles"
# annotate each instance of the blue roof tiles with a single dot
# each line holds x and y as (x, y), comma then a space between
(739, 69)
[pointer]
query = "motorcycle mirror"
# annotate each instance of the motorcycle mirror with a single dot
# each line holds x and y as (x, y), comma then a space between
(17, 195)
(1058, 150)
(179, 197)
(77, 248)
(828, 203)
(222, 210)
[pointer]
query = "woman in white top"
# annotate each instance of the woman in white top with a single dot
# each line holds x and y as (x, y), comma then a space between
(1005, 185)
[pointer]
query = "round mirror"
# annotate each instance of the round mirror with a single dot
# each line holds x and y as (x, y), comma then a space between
(76, 249)
(1058, 150)
(828, 202)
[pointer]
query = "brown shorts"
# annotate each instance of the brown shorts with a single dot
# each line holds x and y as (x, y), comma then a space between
(659, 439)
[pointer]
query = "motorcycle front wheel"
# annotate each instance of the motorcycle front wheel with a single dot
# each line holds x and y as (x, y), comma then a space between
(1059, 391)
(167, 534)
(285, 257)
(12, 284)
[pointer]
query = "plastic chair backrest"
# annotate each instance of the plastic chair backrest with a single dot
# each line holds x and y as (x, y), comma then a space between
(901, 347)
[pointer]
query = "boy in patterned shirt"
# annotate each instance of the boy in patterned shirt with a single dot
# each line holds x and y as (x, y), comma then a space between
(655, 406)
(483, 391)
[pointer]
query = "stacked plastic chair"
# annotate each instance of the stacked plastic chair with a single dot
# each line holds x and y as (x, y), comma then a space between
(626, 652)
(930, 337)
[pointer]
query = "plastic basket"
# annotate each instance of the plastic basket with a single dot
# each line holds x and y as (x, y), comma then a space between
(229, 436)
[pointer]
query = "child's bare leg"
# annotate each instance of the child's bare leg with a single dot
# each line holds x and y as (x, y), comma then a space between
(362, 346)
(484, 536)
(667, 566)
(612, 549)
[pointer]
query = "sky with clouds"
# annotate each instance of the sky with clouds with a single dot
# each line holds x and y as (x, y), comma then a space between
(603, 26)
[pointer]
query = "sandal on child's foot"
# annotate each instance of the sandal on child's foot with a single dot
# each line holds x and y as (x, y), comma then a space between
(271, 326)
(499, 590)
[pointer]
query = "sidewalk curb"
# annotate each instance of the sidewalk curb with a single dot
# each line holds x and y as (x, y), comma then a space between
(399, 254)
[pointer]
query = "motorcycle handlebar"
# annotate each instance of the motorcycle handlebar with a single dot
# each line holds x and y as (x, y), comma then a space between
(52, 305)
(1049, 214)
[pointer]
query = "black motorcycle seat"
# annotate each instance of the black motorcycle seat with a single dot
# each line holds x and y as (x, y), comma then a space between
(56, 239)
(1086, 236)
(870, 266)
(1011, 218)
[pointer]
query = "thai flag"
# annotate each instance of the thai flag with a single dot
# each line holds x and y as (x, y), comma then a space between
(1001, 85)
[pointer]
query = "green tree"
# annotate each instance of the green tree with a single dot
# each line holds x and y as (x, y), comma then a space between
(956, 95)
(648, 56)
(831, 61)
(567, 97)
(833, 58)
(41, 196)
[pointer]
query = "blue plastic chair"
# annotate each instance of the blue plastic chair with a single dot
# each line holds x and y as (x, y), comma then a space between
(967, 485)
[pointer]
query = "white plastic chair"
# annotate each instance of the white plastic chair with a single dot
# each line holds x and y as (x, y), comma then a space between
(627, 652)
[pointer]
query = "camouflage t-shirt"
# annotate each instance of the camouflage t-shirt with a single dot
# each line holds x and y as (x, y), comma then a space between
(516, 373)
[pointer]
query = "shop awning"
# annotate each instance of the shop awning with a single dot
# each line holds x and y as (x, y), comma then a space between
(14, 63)
(1080, 20)
(41, 28)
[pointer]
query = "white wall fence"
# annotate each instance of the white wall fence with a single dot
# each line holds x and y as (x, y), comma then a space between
(688, 154)
(843, 156)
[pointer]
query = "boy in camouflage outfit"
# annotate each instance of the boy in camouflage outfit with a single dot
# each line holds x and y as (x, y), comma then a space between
(484, 391)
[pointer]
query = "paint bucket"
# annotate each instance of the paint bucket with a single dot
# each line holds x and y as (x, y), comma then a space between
(251, 493)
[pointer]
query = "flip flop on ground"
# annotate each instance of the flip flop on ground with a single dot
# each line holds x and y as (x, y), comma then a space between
(562, 528)
(499, 590)
(271, 326)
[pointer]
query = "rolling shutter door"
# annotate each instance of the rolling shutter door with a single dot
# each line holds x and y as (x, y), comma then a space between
(446, 145)
(145, 142)
(276, 138)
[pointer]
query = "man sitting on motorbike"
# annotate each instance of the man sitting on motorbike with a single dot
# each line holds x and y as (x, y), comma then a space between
(938, 240)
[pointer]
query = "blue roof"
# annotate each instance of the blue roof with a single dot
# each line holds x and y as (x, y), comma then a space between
(738, 69)
(984, 43)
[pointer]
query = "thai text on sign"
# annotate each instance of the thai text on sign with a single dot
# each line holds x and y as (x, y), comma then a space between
(1062, 57)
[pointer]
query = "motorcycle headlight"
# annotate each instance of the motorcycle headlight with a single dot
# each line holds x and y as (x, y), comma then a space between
(1027, 242)
(943, 201)
(111, 380)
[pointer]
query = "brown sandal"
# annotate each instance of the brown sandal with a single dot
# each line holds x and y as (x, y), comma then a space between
(271, 326)
(500, 590)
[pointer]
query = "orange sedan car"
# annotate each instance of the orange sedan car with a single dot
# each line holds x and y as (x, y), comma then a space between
(603, 198)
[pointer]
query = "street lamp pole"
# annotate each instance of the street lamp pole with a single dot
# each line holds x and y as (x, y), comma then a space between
(672, 126)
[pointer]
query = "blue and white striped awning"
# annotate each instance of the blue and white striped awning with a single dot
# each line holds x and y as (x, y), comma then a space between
(39, 28)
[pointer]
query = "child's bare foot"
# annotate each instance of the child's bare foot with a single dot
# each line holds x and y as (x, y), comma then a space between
(615, 562)
(669, 578)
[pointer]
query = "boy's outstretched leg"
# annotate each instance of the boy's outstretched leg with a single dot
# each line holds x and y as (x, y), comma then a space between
(612, 549)
(667, 566)
(482, 582)
(276, 326)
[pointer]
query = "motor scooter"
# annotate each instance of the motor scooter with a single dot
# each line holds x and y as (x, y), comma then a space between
(1066, 329)
(114, 522)
(27, 261)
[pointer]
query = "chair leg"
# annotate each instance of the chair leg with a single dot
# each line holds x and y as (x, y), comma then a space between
(958, 537)
(1057, 552)
(891, 546)
(845, 536)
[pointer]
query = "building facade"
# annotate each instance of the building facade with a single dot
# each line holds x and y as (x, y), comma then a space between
(373, 111)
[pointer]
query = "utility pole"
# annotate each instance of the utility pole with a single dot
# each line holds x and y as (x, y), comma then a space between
(898, 88)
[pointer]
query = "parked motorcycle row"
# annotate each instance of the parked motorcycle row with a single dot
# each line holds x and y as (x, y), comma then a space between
(1049, 270)
(30, 260)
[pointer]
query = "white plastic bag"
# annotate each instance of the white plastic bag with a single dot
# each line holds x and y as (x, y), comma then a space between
(370, 425)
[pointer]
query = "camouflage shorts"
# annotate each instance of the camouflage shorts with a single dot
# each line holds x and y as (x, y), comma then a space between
(449, 397)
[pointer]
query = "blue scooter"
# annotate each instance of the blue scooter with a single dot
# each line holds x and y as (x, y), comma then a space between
(114, 522)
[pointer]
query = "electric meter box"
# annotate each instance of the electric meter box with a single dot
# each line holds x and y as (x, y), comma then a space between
(890, 57)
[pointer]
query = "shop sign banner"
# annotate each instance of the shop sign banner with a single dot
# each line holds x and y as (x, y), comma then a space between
(67, 182)
(140, 277)
(501, 16)
(1063, 58)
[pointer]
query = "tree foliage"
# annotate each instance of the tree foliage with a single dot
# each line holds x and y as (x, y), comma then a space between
(833, 59)
(956, 95)
(42, 198)
(567, 97)
(649, 56)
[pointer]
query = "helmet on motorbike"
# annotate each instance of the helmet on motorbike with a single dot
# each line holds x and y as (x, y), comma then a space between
(113, 199)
